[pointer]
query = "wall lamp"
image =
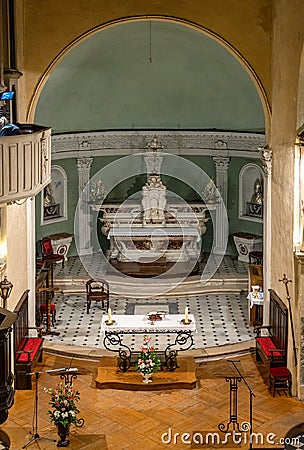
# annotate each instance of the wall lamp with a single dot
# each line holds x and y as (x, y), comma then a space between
(5, 290)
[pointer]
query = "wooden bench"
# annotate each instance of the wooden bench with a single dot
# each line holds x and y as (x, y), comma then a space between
(27, 350)
(271, 348)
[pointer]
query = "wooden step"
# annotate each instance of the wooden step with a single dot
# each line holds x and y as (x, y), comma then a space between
(110, 377)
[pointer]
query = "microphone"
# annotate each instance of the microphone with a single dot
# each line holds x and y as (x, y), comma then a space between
(62, 369)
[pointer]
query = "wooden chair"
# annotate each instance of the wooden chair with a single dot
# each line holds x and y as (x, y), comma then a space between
(98, 291)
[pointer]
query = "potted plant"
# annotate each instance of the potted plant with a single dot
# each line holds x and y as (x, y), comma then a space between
(63, 400)
(148, 362)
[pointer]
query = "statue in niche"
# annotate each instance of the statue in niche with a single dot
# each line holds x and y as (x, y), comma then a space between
(48, 196)
(257, 196)
(154, 201)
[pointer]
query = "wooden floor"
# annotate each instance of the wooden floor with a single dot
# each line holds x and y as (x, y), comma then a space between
(116, 419)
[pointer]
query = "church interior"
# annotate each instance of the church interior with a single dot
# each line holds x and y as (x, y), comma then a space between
(152, 224)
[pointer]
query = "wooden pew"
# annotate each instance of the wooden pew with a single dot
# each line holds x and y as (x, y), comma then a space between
(27, 350)
(271, 348)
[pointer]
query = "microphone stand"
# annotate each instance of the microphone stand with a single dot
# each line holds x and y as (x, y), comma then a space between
(35, 435)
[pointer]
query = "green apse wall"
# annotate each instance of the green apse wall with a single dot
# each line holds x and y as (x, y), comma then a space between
(134, 184)
(108, 82)
(111, 81)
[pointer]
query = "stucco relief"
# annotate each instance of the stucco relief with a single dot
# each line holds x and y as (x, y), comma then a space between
(175, 142)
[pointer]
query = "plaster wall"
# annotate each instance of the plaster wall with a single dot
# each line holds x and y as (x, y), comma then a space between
(245, 25)
(288, 41)
(17, 254)
(287, 47)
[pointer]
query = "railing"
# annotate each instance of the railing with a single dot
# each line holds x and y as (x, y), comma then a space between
(25, 163)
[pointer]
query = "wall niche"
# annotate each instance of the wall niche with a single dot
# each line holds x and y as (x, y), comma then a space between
(251, 193)
(54, 197)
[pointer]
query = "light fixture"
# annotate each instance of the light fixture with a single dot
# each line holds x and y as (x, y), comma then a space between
(5, 290)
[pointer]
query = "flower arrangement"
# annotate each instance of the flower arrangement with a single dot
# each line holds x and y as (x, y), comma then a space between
(148, 361)
(97, 191)
(63, 399)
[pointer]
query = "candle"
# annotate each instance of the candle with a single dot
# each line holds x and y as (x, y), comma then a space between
(186, 315)
(109, 315)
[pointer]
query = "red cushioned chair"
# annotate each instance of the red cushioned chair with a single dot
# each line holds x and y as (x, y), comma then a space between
(48, 252)
(279, 380)
(43, 313)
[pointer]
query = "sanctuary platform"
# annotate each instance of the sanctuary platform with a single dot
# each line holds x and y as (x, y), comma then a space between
(110, 377)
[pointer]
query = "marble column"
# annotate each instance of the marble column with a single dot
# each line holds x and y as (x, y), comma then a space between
(266, 158)
(83, 169)
(221, 222)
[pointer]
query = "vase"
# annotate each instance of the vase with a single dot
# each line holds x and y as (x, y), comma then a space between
(147, 377)
(63, 432)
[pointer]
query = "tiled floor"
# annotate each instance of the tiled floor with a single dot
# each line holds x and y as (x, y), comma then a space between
(221, 318)
(91, 265)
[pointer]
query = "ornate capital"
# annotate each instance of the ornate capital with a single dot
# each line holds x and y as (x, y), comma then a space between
(266, 157)
(84, 163)
(221, 162)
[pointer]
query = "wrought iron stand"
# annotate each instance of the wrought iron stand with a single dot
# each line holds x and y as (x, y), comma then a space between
(233, 420)
(113, 341)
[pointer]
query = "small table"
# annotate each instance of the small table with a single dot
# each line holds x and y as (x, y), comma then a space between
(255, 309)
(139, 324)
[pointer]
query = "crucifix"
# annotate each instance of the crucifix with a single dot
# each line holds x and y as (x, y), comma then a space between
(285, 281)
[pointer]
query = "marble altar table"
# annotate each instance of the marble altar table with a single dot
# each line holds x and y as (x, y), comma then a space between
(140, 324)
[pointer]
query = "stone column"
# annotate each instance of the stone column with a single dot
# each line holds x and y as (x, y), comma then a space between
(221, 223)
(83, 169)
(266, 157)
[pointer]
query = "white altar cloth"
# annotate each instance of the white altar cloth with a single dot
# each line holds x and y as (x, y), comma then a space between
(255, 300)
(171, 323)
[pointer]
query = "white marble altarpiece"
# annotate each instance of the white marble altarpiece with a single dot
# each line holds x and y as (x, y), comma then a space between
(154, 224)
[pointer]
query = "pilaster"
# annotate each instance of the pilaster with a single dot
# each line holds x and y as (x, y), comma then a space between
(83, 169)
(221, 223)
(266, 158)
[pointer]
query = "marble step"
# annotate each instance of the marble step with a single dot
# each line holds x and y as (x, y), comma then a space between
(140, 289)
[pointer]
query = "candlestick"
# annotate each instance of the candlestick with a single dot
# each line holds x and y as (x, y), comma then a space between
(109, 316)
(186, 315)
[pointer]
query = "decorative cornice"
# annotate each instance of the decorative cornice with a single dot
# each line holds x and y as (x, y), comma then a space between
(176, 142)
